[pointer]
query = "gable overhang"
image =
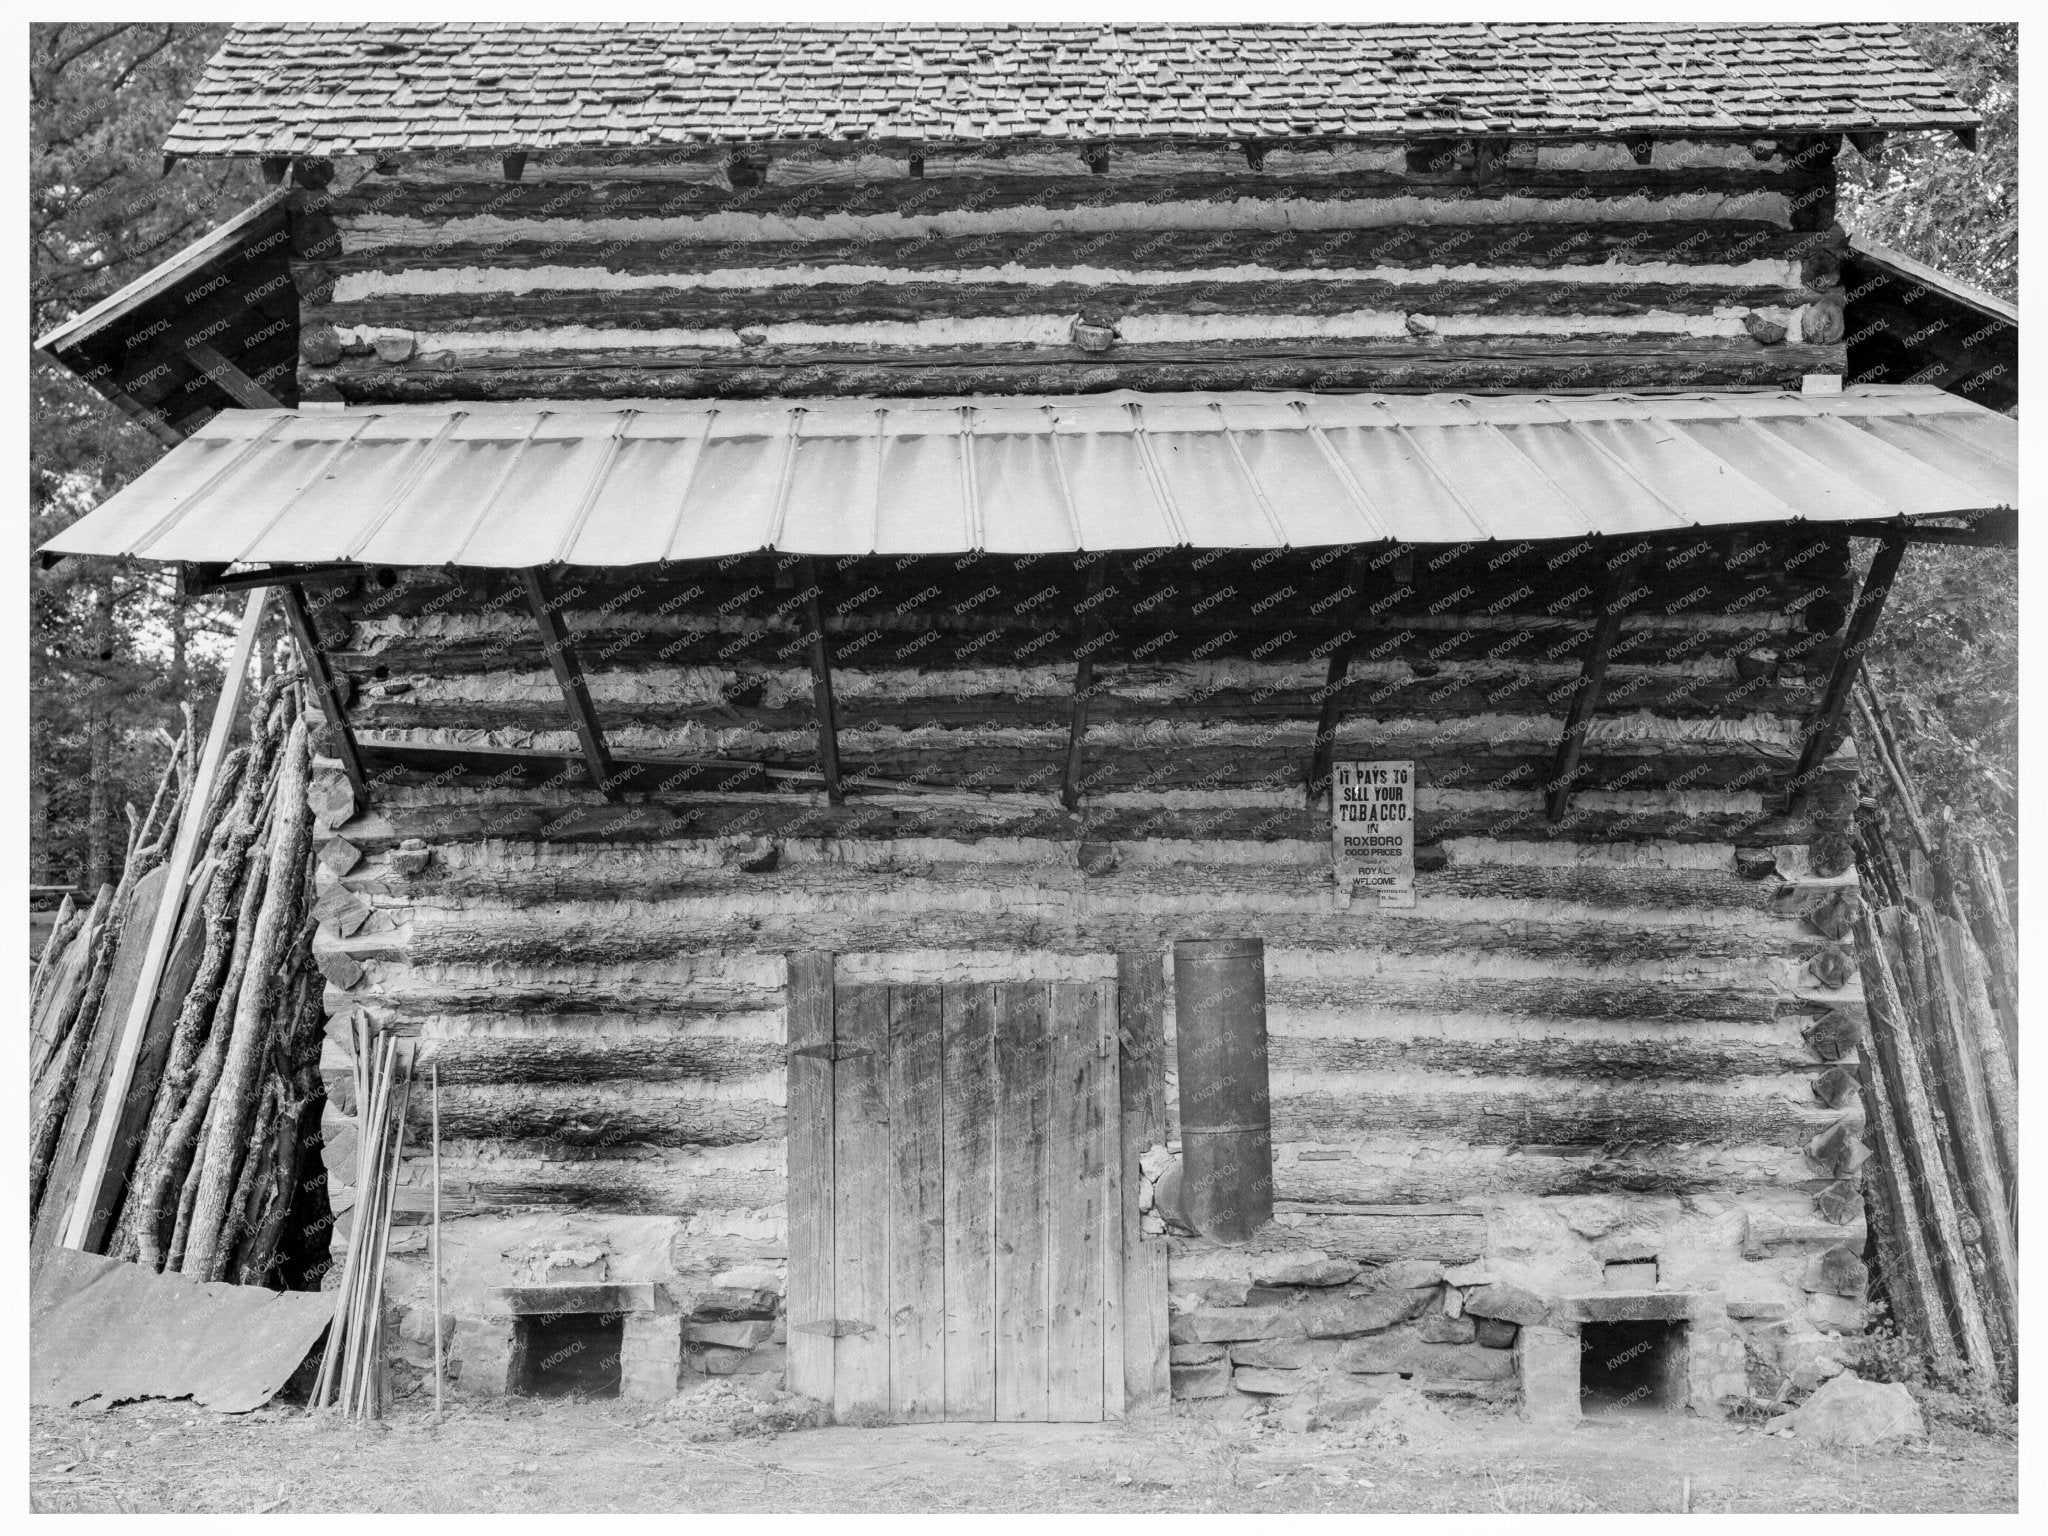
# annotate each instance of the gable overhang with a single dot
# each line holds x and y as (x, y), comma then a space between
(1907, 323)
(216, 327)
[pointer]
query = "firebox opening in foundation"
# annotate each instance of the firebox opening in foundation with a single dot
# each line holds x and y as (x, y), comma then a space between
(1632, 1367)
(570, 1354)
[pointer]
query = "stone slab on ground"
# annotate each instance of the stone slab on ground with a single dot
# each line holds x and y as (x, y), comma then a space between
(1405, 1418)
(1849, 1411)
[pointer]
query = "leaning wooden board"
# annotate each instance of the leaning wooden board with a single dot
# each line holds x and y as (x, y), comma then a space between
(73, 1144)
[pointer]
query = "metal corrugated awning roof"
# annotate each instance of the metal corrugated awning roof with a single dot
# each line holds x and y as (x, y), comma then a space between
(625, 483)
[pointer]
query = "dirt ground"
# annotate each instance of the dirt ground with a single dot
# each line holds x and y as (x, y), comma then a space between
(522, 1455)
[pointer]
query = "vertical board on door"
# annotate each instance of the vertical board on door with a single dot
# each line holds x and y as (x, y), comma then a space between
(1077, 1156)
(1022, 1240)
(916, 1312)
(861, 1173)
(970, 1202)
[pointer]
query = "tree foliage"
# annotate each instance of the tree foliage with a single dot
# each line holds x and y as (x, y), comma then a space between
(1947, 655)
(1956, 209)
(110, 655)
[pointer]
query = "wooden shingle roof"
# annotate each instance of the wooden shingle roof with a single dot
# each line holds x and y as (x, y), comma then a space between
(337, 88)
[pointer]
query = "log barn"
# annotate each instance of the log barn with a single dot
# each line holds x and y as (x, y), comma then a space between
(856, 578)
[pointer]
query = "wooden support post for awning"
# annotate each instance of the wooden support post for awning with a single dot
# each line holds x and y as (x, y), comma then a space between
(202, 580)
(554, 639)
(1824, 734)
(1084, 688)
(313, 654)
(1564, 767)
(821, 689)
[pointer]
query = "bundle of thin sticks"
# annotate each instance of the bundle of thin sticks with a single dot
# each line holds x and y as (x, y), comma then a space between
(353, 1369)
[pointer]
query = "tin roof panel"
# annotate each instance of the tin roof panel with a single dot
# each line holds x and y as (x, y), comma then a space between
(622, 484)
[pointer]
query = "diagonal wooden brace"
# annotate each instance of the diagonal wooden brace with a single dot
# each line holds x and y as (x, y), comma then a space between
(1564, 767)
(1824, 733)
(1331, 714)
(321, 676)
(554, 639)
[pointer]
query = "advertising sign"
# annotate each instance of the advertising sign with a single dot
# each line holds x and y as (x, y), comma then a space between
(1372, 829)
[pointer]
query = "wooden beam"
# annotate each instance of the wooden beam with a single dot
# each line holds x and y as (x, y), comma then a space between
(321, 676)
(821, 690)
(199, 579)
(1824, 735)
(245, 391)
(659, 773)
(554, 639)
(1564, 768)
(1994, 530)
(92, 1212)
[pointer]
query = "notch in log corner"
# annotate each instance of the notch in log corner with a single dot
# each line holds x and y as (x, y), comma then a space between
(1615, 594)
(554, 639)
(1830, 720)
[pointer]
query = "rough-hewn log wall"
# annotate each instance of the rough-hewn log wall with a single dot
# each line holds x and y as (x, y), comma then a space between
(1615, 1006)
(1553, 266)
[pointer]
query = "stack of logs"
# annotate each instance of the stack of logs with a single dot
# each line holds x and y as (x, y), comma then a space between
(225, 1093)
(1940, 1082)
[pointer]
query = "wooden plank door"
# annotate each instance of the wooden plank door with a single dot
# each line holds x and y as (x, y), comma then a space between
(957, 1210)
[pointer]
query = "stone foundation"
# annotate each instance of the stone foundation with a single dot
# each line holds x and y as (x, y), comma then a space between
(1314, 1314)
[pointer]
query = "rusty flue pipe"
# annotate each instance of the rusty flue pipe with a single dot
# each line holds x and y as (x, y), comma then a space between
(1226, 1120)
